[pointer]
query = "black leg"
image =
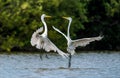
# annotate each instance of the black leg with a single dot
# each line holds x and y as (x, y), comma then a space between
(69, 62)
(41, 57)
(46, 56)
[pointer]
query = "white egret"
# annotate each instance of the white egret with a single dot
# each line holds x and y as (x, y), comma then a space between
(72, 44)
(42, 41)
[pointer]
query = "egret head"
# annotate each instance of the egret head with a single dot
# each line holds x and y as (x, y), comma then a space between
(45, 16)
(68, 18)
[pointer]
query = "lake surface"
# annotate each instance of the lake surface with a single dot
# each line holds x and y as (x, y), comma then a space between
(84, 65)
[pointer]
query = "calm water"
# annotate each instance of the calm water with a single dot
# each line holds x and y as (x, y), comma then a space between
(84, 65)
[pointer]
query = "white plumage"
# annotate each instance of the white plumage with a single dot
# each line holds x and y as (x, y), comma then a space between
(41, 41)
(72, 44)
(35, 37)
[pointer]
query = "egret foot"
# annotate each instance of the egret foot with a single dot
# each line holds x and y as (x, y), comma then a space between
(46, 56)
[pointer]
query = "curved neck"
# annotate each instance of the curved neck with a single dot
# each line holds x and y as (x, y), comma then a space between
(61, 33)
(68, 30)
(45, 26)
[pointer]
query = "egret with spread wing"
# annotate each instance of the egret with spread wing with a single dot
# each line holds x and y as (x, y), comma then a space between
(72, 44)
(41, 41)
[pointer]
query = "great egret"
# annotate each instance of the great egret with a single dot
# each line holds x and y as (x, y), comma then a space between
(42, 41)
(72, 44)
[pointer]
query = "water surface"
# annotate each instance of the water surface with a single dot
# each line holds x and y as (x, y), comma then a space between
(84, 65)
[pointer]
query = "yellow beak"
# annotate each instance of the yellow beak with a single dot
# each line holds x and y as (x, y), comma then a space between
(47, 16)
(64, 17)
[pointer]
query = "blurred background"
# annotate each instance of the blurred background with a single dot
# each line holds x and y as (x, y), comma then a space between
(20, 18)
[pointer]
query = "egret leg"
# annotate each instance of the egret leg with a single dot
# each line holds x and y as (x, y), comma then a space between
(69, 60)
(46, 56)
(41, 57)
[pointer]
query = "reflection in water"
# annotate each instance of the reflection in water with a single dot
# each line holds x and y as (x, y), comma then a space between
(84, 65)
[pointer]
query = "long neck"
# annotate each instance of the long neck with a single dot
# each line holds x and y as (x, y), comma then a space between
(68, 30)
(45, 26)
(61, 33)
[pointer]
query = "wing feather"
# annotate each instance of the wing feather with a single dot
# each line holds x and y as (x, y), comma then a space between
(85, 41)
(49, 46)
(44, 43)
(34, 39)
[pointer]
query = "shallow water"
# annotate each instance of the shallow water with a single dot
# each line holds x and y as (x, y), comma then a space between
(84, 65)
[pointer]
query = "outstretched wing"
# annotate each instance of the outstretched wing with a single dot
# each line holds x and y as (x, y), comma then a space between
(35, 36)
(85, 41)
(49, 46)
